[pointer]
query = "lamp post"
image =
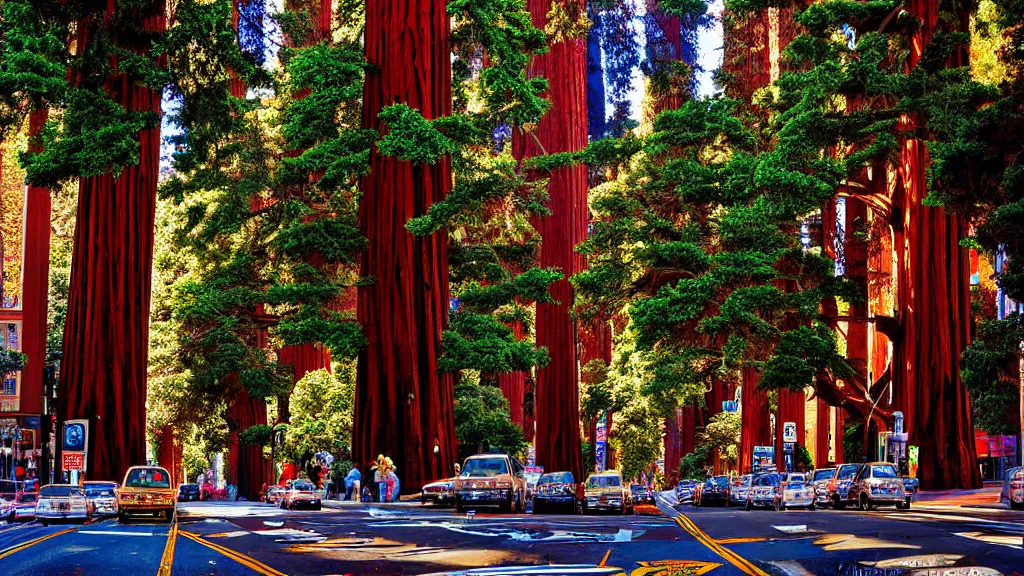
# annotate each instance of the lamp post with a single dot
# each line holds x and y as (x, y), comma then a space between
(437, 456)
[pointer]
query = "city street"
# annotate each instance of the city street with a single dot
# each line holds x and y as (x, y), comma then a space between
(245, 538)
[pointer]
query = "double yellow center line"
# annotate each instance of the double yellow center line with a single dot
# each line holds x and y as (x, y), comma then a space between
(30, 543)
(242, 559)
(733, 558)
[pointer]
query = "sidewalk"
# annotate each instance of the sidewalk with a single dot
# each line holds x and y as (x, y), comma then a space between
(987, 497)
(404, 502)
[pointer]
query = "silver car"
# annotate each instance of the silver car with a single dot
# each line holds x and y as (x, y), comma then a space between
(820, 481)
(840, 488)
(738, 490)
(102, 497)
(1013, 488)
(62, 502)
(878, 484)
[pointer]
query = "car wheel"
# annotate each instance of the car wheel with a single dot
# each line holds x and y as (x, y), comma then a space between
(837, 504)
(749, 505)
(318, 507)
(865, 504)
(811, 506)
(44, 523)
(458, 505)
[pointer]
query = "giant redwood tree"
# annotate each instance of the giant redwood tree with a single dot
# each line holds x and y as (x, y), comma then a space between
(404, 405)
(563, 129)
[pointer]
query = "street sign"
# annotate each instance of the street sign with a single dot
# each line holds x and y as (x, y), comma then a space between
(73, 460)
(789, 432)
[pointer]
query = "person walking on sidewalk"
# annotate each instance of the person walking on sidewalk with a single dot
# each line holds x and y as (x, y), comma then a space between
(352, 484)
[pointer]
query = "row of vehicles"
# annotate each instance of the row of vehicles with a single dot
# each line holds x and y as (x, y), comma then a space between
(864, 486)
(299, 493)
(145, 491)
(500, 481)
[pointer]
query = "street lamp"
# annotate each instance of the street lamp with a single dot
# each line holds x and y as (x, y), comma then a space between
(437, 456)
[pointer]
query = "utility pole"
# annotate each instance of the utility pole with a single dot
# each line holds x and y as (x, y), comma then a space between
(46, 422)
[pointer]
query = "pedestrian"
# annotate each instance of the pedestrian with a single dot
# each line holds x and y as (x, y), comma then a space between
(352, 484)
(393, 485)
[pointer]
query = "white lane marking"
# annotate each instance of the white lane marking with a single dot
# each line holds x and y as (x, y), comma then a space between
(981, 522)
(793, 529)
(791, 568)
(995, 539)
(115, 533)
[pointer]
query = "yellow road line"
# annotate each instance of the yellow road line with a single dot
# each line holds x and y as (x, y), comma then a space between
(604, 561)
(242, 559)
(733, 558)
(741, 540)
(167, 560)
(30, 543)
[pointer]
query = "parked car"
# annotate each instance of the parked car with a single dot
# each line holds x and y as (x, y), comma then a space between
(188, 493)
(491, 480)
(301, 493)
(820, 480)
(102, 496)
(685, 490)
(7, 508)
(11, 489)
(641, 494)
(275, 494)
(765, 492)
(797, 492)
(440, 493)
(1013, 488)
(878, 484)
(605, 491)
(840, 487)
(738, 490)
(25, 506)
(556, 490)
(713, 491)
(62, 502)
(146, 491)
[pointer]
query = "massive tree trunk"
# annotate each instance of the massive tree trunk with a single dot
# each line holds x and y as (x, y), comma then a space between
(404, 407)
(673, 449)
(934, 304)
(563, 129)
(106, 336)
(36, 284)
(756, 429)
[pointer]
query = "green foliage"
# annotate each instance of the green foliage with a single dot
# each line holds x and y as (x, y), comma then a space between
(11, 361)
(722, 433)
(258, 435)
(482, 420)
(692, 466)
(989, 369)
(321, 408)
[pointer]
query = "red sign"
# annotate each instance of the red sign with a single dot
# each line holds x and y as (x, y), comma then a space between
(74, 460)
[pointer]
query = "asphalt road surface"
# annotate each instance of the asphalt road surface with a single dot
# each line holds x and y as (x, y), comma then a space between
(245, 539)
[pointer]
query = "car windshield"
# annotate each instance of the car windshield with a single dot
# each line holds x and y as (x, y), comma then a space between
(484, 467)
(827, 474)
(59, 491)
(883, 471)
(847, 471)
(720, 481)
(27, 498)
(303, 486)
(770, 480)
(556, 478)
(796, 479)
(532, 477)
(184, 488)
(608, 481)
(147, 478)
(99, 490)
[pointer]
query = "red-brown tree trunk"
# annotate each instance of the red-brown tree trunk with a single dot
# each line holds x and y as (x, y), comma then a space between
(792, 405)
(822, 431)
(403, 406)
(756, 428)
(36, 281)
(106, 336)
(672, 441)
(563, 129)
(513, 387)
(934, 304)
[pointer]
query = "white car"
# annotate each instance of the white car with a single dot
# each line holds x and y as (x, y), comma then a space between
(797, 492)
(7, 510)
(62, 502)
